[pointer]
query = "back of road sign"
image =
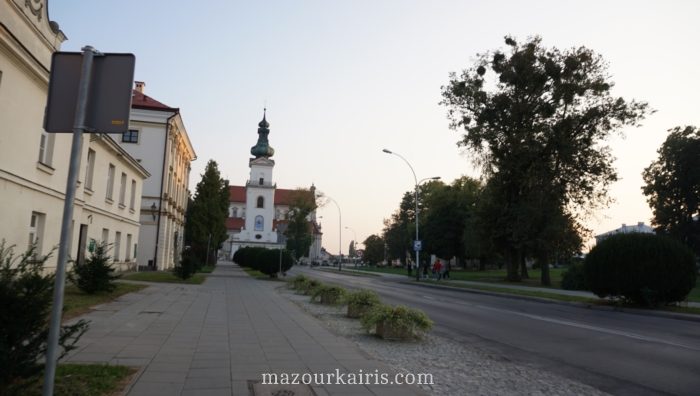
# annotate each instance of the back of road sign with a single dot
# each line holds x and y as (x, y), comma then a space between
(109, 96)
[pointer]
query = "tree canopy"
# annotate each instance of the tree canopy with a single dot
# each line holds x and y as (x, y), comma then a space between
(207, 213)
(673, 186)
(299, 230)
(374, 249)
(536, 120)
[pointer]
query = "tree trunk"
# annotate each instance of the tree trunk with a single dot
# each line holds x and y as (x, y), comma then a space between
(544, 278)
(523, 268)
(512, 266)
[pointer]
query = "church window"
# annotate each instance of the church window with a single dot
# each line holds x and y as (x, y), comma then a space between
(261, 202)
(258, 223)
(262, 181)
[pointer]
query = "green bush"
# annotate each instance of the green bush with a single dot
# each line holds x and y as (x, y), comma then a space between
(187, 266)
(360, 302)
(327, 294)
(27, 296)
(396, 323)
(96, 274)
(264, 260)
(309, 286)
(642, 269)
(298, 281)
(574, 278)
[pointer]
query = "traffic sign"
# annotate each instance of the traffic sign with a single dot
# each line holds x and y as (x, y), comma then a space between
(417, 246)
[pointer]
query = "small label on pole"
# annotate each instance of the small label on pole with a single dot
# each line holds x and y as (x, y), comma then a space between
(417, 246)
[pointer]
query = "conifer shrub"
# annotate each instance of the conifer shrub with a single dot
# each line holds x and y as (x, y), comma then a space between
(327, 294)
(396, 322)
(643, 269)
(360, 302)
(187, 266)
(96, 273)
(574, 278)
(26, 296)
(270, 261)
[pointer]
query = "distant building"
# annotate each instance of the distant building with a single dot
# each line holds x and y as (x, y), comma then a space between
(258, 210)
(34, 164)
(625, 229)
(157, 137)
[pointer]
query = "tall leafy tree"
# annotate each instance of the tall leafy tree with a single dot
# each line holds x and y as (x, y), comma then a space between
(374, 249)
(673, 186)
(207, 213)
(447, 210)
(536, 120)
(299, 230)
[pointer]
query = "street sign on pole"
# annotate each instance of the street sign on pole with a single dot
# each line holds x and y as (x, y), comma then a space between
(110, 90)
(417, 246)
(80, 100)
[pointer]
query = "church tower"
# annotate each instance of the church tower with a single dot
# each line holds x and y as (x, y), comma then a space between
(260, 190)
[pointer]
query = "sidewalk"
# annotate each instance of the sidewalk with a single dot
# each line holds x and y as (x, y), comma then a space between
(218, 338)
(577, 293)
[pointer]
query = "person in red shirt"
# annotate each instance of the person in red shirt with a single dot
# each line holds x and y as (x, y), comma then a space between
(437, 269)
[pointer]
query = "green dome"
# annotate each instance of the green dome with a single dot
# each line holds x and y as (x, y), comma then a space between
(263, 148)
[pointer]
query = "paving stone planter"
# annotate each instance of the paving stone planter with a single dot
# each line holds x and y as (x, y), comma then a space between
(389, 331)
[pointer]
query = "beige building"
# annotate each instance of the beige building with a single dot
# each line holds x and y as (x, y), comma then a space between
(34, 164)
(157, 138)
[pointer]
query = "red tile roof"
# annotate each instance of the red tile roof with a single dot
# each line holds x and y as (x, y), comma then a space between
(235, 223)
(141, 101)
(283, 196)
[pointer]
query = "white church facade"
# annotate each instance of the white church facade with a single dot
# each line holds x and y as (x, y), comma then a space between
(258, 210)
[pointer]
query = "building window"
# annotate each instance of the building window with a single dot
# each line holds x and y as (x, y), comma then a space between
(127, 256)
(262, 181)
(46, 148)
(90, 169)
(117, 245)
(110, 181)
(258, 223)
(132, 200)
(130, 136)
(122, 189)
(261, 202)
(36, 232)
(105, 236)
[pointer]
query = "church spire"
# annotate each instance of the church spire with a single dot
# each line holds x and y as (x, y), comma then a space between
(262, 148)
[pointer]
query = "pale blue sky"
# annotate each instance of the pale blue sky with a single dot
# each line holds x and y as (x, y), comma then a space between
(342, 80)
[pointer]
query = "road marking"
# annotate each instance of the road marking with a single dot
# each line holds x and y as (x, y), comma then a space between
(593, 328)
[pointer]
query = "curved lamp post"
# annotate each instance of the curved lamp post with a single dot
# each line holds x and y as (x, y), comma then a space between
(415, 247)
(340, 235)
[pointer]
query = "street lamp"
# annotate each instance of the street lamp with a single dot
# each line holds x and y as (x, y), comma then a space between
(340, 235)
(416, 247)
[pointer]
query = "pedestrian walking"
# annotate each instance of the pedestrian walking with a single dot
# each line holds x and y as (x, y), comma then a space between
(437, 269)
(446, 272)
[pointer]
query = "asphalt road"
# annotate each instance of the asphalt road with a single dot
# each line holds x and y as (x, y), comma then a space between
(620, 353)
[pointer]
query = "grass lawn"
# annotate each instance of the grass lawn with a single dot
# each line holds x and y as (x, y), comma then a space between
(530, 293)
(259, 275)
(76, 303)
(491, 276)
(207, 269)
(695, 293)
(84, 380)
(164, 276)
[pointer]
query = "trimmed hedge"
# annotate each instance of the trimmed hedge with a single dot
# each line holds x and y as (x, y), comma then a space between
(574, 278)
(643, 269)
(264, 260)
(397, 322)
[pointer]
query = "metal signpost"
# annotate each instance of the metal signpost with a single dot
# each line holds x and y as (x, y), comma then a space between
(88, 92)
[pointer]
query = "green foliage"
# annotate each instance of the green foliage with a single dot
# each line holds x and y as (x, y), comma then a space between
(643, 269)
(360, 302)
(299, 230)
(574, 278)
(536, 120)
(327, 294)
(27, 296)
(374, 249)
(308, 287)
(96, 274)
(187, 266)
(207, 213)
(673, 186)
(298, 281)
(264, 260)
(396, 322)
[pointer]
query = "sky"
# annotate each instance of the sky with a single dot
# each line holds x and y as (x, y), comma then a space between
(343, 80)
